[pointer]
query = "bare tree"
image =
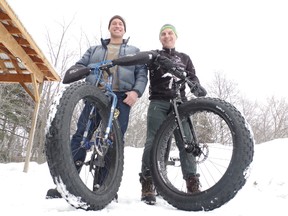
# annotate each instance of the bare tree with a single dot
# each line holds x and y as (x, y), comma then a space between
(61, 55)
(15, 121)
(136, 131)
(227, 90)
(224, 89)
(63, 52)
(279, 110)
(272, 120)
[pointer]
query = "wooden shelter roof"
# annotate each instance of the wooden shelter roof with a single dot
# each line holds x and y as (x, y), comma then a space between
(21, 61)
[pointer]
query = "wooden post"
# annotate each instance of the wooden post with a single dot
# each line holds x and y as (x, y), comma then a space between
(32, 132)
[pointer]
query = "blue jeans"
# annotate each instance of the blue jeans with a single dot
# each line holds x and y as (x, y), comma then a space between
(79, 154)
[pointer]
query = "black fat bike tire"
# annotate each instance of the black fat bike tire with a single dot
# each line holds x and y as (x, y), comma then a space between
(236, 174)
(59, 156)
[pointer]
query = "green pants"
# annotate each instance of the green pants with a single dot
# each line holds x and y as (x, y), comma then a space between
(157, 113)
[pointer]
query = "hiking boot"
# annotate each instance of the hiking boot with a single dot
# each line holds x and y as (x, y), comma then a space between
(193, 184)
(148, 190)
(53, 194)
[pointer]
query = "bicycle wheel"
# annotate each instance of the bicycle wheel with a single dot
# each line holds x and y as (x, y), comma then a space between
(96, 183)
(227, 147)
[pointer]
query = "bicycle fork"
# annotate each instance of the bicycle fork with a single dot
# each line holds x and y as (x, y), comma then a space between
(192, 145)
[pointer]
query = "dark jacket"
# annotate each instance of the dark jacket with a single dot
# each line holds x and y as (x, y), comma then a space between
(130, 77)
(160, 87)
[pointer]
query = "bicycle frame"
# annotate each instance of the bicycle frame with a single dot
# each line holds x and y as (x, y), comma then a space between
(98, 71)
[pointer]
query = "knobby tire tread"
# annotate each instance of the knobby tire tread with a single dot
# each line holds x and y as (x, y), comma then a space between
(58, 152)
(235, 177)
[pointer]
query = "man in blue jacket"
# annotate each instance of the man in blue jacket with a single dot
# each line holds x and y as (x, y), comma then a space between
(129, 82)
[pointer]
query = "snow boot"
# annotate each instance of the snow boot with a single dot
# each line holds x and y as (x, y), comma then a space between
(193, 184)
(148, 190)
(53, 194)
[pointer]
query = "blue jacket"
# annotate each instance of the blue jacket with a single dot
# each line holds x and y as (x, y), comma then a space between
(130, 77)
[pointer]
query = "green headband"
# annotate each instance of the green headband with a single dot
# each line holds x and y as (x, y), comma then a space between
(168, 26)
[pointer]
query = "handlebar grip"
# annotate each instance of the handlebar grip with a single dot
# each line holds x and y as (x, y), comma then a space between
(75, 73)
(198, 90)
(134, 59)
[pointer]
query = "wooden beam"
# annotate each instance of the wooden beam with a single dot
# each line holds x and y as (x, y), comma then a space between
(35, 85)
(11, 29)
(21, 40)
(15, 78)
(18, 51)
(32, 132)
(29, 51)
(28, 91)
(3, 66)
(5, 50)
(26, 35)
(4, 16)
(37, 59)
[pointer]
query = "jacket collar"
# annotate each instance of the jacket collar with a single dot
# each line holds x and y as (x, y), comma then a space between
(105, 42)
(169, 51)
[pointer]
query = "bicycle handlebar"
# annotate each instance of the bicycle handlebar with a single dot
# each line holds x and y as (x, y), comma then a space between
(146, 57)
(137, 58)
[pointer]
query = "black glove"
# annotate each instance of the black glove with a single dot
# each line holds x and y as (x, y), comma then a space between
(178, 73)
(199, 91)
(165, 62)
(75, 73)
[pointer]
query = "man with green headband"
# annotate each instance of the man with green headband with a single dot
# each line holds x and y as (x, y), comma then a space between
(168, 26)
(161, 93)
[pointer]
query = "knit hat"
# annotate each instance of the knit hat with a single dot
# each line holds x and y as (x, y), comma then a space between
(168, 26)
(117, 17)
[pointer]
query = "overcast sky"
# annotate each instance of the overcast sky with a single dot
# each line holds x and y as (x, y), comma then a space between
(245, 40)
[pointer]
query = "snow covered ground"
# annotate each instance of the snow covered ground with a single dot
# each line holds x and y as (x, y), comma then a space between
(265, 193)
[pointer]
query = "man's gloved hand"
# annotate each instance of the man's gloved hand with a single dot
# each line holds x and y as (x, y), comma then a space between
(165, 62)
(199, 91)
